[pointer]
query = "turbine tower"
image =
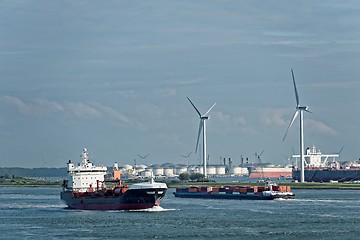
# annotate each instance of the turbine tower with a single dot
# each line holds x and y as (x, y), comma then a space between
(202, 127)
(299, 109)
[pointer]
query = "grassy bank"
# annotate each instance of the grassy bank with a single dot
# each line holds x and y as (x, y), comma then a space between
(26, 182)
(29, 182)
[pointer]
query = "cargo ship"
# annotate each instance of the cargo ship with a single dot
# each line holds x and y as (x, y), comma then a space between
(87, 189)
(268, 192)
(321, 167)
(270, 171)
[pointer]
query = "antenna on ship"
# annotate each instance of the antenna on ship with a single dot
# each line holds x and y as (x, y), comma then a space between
(202, 127)
(299, 109)
(257, 156)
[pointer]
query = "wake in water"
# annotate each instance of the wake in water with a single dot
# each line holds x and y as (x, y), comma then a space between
(155, 209)
(284, 199)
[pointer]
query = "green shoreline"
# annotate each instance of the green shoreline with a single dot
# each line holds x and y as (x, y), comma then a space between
(293, 185)
(172, 184)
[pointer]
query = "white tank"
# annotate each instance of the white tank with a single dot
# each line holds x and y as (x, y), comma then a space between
(220, 170)
(211, 170)
(181, 170)
(240, 171)
(127, 167)
(147, 173)
(159, 171)
(168, 172)
(142, 166)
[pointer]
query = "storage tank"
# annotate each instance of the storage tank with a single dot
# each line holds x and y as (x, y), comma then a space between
(211, 170)
(147, 173)
(159, 171)
(180, 170)
(191, 169)
(168, 172)
(220, 170)
(239, 171)
(127, 167)
(143, 166)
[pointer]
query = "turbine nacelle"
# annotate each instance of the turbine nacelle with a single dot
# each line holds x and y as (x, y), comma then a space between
(304, 108)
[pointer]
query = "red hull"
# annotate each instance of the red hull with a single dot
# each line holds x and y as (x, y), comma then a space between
(105, 207)
(270, 174)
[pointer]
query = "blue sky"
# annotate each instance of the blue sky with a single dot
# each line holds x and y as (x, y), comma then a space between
(113, 76)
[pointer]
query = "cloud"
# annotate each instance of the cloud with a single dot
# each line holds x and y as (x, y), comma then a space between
(108, 111)
(151, 110)
(319, 127)
(231, 122)
(127, 94)
(78, 109)
(336, 85)
(18, 104)
(49, 105)
(81, 109)
(167, 92)
(274, 117)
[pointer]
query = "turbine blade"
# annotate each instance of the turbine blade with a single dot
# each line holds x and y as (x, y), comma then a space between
(307, 111)
(296, 93)
(210, 109)
(200, 129)
(292, 121)
(341, 150)
(194, 106)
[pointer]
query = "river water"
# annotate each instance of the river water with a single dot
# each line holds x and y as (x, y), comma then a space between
(38, 213)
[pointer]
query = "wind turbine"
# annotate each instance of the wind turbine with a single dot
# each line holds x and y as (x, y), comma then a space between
(202, 127)
(143, 157)
(299, 109)
(186, 157)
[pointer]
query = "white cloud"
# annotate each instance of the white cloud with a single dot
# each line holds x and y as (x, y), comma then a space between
(336, 85)
(49, 105)
(229, 121)
(78, 109)
(81, 109)
(274, 117)
(18, 104)
(167, 92)
(108, 111)
(319, 127)
(127, 94)
(150, 110)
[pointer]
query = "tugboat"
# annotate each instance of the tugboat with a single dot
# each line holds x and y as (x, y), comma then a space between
(268, 192)
(87, 189)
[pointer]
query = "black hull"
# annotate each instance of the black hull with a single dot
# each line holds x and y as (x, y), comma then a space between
(132, 199)
(319, 175)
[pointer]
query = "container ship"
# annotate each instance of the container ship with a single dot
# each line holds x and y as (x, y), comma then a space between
(324, 168)
(269, 192)
(87, 189)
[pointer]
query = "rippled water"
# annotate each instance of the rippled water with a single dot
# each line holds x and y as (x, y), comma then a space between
(38, 213)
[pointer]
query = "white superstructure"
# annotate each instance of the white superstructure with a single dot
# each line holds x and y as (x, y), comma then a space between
(85, 176)
(315, 159)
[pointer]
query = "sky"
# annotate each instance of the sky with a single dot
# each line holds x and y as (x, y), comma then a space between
(114, 77)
